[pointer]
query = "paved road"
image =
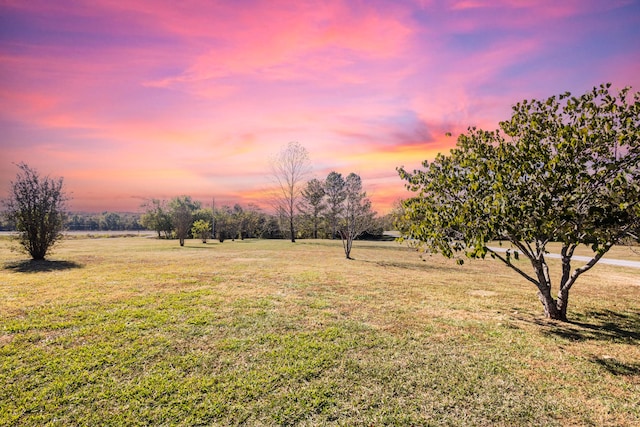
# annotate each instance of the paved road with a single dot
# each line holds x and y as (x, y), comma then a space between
(618, 262)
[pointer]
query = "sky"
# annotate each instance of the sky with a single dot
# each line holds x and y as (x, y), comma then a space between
(139, 99)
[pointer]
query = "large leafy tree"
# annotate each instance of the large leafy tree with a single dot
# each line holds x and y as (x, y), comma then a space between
(564, 169)
(36, 207)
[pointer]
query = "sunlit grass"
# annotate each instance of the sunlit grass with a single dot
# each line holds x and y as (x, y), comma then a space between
(138, 331)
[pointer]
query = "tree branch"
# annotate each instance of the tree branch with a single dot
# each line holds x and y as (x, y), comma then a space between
(516, 269)
(593, 261)
(526, 250)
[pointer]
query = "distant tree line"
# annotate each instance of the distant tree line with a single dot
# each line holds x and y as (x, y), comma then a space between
(336, 207)
(85, 221)
(182, 216)
(105, 221)
(231, 222)
(5, 224)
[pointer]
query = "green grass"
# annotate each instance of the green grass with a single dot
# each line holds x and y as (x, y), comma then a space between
(136, 331)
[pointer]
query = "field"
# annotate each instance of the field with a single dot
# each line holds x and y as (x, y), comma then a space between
(138, 331)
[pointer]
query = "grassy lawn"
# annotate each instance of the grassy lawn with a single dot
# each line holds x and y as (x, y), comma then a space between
(137, 331)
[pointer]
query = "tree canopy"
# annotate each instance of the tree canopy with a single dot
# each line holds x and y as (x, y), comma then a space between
(563, 169)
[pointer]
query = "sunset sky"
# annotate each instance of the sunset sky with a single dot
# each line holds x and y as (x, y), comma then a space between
(129, 100)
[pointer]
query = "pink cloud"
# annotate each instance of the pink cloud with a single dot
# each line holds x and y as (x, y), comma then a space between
(276, 43)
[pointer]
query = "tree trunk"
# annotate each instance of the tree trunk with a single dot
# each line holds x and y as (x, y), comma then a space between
(347, 243)
(550, 305)
(37, 256)
(556, 310)
(293, 236)
(562, 303)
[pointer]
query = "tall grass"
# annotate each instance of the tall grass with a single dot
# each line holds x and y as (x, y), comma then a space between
(135, 331)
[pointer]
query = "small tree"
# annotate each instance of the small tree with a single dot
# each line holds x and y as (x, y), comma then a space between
(270, 227)
(289, 169)
(182, 209)
(569, 172)
(201, 229)
(334, 189)
(253, 219)
(223, 218)
(36, 207)
(357, 215)
(239, 222)
(313, 203)
(157, 217)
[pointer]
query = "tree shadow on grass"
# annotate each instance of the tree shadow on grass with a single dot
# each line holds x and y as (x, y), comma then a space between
(616, 367)
(604, 325)
(39, 266)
